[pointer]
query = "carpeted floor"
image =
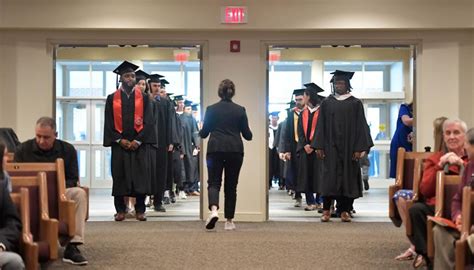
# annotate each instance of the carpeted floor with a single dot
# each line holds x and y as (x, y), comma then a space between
(270, 245)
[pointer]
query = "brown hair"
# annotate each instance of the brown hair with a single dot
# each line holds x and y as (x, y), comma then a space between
(226, 90)
(439, 145)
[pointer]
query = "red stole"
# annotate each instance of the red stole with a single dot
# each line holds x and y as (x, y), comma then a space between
(117, 107)
(305, 115)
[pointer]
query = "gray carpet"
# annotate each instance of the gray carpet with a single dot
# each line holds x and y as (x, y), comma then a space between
(270, 245)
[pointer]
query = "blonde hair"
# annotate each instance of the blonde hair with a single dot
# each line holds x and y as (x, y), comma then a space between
(439, 145)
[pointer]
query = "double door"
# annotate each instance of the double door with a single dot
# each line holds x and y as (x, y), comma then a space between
(81, 123)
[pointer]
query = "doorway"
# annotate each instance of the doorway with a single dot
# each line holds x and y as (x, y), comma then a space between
(84, 78)
(383, 80)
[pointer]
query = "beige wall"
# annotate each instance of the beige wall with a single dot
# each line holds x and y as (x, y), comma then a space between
(444, 72)
(262, 14)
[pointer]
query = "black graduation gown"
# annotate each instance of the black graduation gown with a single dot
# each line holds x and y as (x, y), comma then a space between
(342, 130)
(273, 159)
(310, 168)
(277, 145)
(289, 144)
(189, 141)
(131, 173)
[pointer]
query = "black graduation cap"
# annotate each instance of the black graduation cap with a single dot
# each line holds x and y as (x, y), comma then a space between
(125, 67)
(314, 87)
(178, 97)
(155, 78)
(340, 74)
(141, 75)
(195, 107)
(169, 94)
(274, 113)
(188, 103)
(298, 92)
(164, 82)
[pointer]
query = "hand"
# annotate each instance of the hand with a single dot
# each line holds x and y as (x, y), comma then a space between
(308, 149)
(125, 144)
(458, 222)
(356, 156)
(287, 156)
(320, 154)
(450, 158)
(411, 137)
(281, 156)
(181, 156)
(134, 145)
(170, 148)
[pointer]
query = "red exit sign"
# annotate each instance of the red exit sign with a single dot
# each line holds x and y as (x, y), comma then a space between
(234, 14)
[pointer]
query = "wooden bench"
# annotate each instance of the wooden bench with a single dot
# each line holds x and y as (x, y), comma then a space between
(446, 188)
(28, 249)
(42, 227)
(464, 256)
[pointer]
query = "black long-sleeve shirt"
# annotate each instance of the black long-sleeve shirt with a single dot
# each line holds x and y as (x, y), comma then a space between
(30, 152)
(225, 121)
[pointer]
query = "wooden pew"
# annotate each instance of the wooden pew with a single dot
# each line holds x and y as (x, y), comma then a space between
(408, 176)
(59, 206)
(464, 256)
(42, 227)
(446, 188)
(28, 249)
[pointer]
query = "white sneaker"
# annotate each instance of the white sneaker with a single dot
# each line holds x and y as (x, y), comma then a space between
(229, 226)
(211, 220)
(182, 195)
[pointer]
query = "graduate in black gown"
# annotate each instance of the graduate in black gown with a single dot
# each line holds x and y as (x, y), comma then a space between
(190, 143)
(310, 167)
(290, 142)
(164, 138)
(342, 138)
(273, 158)
(128, 130)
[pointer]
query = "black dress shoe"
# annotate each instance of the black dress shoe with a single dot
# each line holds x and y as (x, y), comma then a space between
(159, 208)
(119, 216)
(141, 217)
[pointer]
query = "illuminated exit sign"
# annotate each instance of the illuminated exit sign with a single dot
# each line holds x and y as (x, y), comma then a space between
(234, 14)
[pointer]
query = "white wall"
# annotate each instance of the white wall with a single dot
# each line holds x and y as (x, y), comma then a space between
(262, 14)
(445, 80)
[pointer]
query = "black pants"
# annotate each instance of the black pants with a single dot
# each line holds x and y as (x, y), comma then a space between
(418, 215)
(177, 170)
(230, 164)
(120, 206)
(169, 174)
(161, 174)
(344, 204)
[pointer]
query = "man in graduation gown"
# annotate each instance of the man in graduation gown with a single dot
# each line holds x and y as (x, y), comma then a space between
(273, 159)
(179, 151)
(190, 139)
(172, 134)
(195, 158)
(290, 142)
(310, 167)
(342, 138)
(162, 122)
(128, 130)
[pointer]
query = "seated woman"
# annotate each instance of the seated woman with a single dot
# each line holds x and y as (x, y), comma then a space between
(445, 238)
(10, 224)
(454, 136)
(402, 196)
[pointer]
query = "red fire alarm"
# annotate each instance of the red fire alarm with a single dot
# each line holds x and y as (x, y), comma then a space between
(235, 46)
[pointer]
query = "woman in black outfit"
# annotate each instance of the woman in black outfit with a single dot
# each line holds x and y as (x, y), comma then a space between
(225, 121)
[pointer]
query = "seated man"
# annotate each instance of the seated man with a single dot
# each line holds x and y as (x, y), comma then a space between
(46, 148)
(454, 136)
(445, 238)
(10, 231)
